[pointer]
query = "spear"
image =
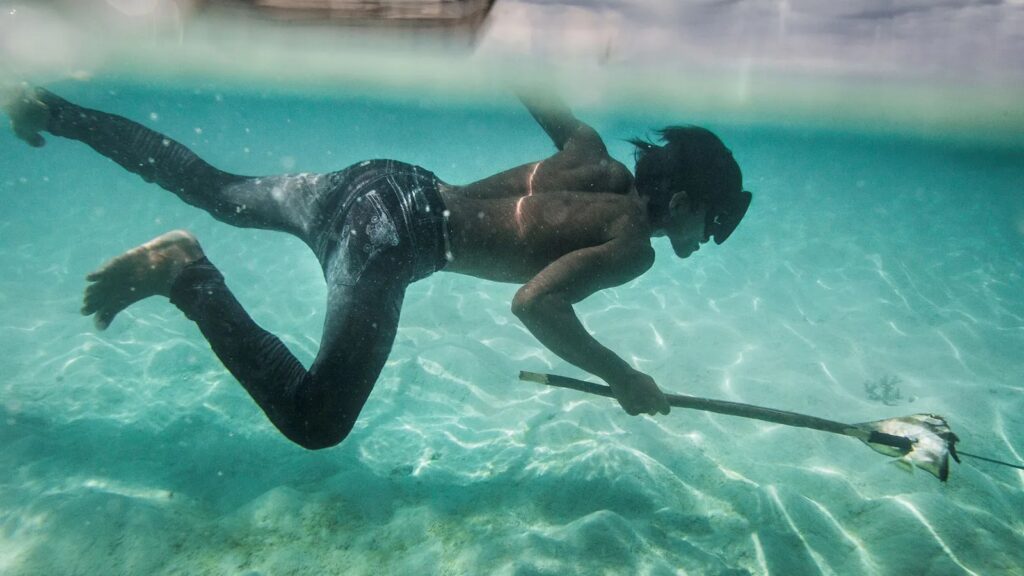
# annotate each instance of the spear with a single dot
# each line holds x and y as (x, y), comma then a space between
(922, 440)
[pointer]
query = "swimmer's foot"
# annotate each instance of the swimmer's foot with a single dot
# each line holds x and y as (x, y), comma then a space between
(144, 271)
(28, 114)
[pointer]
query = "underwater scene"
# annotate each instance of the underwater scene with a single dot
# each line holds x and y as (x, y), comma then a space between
(878, 274)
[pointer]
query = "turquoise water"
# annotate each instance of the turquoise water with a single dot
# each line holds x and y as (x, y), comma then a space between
(866, 255)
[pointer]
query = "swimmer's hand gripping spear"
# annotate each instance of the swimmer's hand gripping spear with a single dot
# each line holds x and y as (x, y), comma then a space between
(922, 440)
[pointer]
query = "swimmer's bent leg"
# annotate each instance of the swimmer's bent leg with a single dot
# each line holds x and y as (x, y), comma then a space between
(286, 203)
(315, 408)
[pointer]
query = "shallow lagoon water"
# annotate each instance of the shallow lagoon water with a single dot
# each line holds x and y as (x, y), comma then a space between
(866, 256)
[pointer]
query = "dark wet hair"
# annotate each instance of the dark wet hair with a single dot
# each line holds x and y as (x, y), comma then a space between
(692, 159)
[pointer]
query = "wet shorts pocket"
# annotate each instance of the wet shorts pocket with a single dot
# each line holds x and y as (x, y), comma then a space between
(368, 231)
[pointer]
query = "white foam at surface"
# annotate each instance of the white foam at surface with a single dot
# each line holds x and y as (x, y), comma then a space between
(871, 65)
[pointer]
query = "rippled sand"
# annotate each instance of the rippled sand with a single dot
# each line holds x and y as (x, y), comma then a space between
(133, 451)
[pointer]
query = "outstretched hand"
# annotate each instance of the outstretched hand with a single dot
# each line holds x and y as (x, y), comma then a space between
(637, 393)
(27, 112)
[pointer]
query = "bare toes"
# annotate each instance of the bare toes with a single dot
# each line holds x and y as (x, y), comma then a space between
(147, 270)
(103, 319)
(95, 293)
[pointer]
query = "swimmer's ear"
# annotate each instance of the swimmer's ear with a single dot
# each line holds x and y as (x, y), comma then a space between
(678, 201)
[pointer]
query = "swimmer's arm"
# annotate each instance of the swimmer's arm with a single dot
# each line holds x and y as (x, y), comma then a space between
(565, 130)
(545, 306)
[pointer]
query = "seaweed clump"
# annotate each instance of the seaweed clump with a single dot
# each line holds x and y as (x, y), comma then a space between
(886, 390)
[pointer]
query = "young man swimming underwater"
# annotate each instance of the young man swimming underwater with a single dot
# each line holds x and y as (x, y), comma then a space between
(564, 228)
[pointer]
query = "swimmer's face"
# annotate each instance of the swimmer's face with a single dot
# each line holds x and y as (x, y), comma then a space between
(685, 226)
